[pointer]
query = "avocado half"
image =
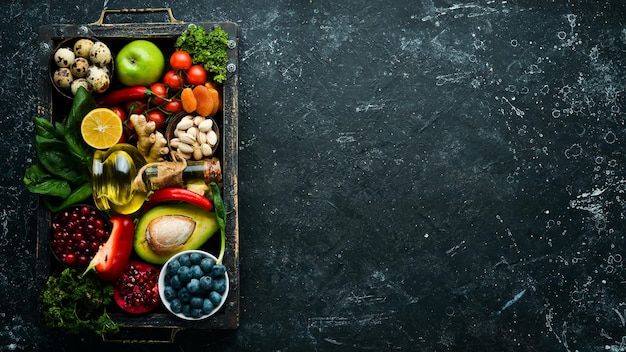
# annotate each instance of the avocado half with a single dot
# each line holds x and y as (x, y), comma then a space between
(168, 229)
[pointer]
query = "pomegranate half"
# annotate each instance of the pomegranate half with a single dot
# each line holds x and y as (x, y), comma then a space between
(136, 291)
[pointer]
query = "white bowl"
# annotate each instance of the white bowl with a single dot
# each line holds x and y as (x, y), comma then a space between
(162, 284)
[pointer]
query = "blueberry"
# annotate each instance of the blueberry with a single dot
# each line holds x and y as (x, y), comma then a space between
(169, 293)
(218, 270)
(195, 258)
(184, 260)
(196, 312)
(215, 298)
(184, 295)
(193, 286)
(176, 283)
(168, 276)
(184, 273)
(196, 302)
(219, 285)
(206, 283)
(207, 306)
(176, 305)
(196, 271)
(207, 264)
(186, 310)
(173, 267)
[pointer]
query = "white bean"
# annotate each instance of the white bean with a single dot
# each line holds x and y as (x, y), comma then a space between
(193, 131)
(206, 125)
(174, 143)
(206, 150)
(186, 138)
(211, 138)
(184, 124)
(198, 120)
(201, 138)
(185, 148)
(184, 155)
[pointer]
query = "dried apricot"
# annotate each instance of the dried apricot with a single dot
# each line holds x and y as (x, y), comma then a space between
(188, 98)
(204, 99)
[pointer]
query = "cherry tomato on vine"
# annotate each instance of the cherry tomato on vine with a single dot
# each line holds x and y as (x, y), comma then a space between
(173, 80)
(120, 112)
(158, 117)
(159, 89)
(196, 75)
(180, 60)
(137, 106)
(174, 105)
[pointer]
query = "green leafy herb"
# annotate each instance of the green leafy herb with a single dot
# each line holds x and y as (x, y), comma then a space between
(82, 104)
(207, 49)
(77, 304)
(63, 174)
(77, 195)
(38, 180)
(220, 212)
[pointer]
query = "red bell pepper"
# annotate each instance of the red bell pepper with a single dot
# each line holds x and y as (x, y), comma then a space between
(178, 195)
(126, 94)
(112, 257)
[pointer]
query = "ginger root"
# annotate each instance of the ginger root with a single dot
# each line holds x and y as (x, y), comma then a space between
(150, 142)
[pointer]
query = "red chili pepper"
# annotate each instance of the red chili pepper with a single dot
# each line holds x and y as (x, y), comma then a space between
(125, 94)
(178, 195)
(112, 258)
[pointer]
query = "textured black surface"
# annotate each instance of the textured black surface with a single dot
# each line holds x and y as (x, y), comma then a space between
(414, 175)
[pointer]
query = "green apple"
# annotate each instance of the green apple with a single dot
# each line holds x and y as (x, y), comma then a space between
(139, 63)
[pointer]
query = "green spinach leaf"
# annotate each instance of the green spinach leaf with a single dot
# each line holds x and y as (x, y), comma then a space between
(63, 175)
(82, 104)
(54, 156)
(46, 128)
(38, 180)
(78, 195)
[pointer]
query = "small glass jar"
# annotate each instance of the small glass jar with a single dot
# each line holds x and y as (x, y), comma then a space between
(156, 177)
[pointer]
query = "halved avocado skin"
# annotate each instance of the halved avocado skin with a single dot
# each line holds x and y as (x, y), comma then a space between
(206, 227)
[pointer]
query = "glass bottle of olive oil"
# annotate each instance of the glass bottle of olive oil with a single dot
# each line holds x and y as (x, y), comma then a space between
(113, 173)
(196, 171)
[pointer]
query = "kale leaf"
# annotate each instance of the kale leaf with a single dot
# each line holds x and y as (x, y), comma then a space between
(77, 304)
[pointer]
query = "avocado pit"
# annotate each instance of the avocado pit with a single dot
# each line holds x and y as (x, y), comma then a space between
(169, 233)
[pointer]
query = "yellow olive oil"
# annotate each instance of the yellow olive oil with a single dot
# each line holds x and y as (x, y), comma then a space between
(113, 173)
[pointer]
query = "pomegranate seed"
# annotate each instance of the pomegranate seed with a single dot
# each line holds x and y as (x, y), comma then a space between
(70, 259)
(74, 233)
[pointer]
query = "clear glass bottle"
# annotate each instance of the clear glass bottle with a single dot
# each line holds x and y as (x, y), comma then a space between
(197, 171)
(113, 173)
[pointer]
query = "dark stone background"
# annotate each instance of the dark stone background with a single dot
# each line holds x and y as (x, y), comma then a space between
(414, 175)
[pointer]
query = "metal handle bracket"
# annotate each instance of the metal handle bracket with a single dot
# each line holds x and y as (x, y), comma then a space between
(106, 12)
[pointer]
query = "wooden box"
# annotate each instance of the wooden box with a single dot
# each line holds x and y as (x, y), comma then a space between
(160, 26)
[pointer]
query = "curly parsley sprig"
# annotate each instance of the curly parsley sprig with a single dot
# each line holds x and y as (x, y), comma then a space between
(77, 304)
(206, 48)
